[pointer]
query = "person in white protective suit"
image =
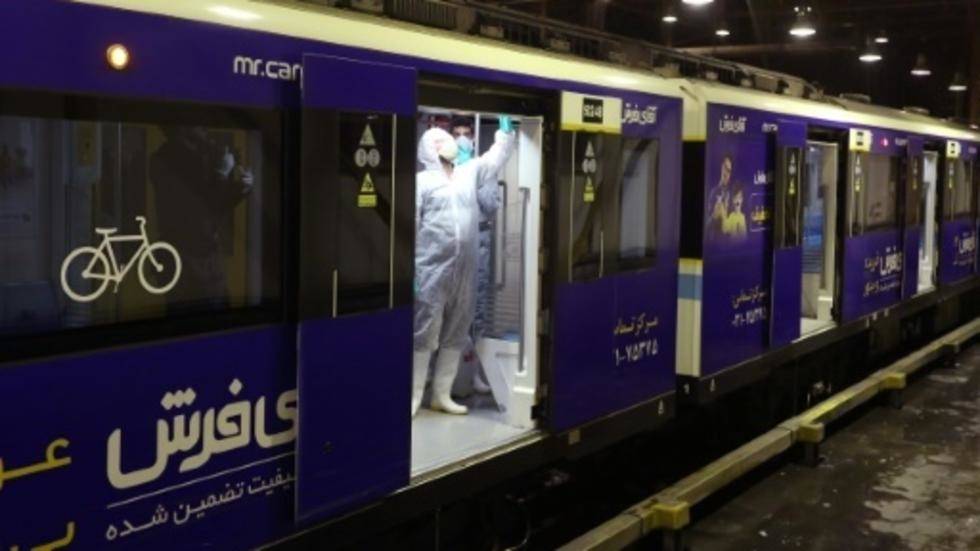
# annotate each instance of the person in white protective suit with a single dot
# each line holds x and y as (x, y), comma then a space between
(447, 205)
(489, 199)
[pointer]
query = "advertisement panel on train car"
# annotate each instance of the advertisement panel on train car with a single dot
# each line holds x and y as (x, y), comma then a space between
(737, 236)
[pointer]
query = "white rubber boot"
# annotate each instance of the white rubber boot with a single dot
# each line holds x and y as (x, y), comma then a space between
(420, 371)
(447, 363)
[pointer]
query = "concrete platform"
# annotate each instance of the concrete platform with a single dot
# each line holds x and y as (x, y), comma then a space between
(888, 479)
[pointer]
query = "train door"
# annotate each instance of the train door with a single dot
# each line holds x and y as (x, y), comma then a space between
(819, 199)
(958, 227)
(355, 283)
(790, 152)
(928, 258)
(615, 269)
(477, 297)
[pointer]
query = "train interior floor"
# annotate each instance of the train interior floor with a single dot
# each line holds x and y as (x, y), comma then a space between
(439, 439)
(888, 479)
(809, 325)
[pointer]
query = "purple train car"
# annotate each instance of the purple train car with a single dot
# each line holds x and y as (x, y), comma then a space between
(209, 265)
(803, 218)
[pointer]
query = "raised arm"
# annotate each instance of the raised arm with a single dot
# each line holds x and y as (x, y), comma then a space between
(490, 163)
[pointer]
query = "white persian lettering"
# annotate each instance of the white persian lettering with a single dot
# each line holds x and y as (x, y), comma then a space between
(216, 430)
(732, 125)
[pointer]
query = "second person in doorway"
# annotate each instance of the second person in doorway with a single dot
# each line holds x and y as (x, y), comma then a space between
(447, 212)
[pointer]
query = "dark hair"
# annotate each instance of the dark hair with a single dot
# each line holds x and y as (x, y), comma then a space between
(462, 121)
(738, 188)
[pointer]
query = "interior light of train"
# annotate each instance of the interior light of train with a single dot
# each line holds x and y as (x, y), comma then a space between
(118, 57)
(698, 2)
(722, 32)
(234, 13)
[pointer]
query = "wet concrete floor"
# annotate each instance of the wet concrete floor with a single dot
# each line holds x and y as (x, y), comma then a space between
(890, 479)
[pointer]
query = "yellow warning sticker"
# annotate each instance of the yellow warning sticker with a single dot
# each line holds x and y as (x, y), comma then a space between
(367, 137)
(367, 186)
(367, 197)
(588, 194)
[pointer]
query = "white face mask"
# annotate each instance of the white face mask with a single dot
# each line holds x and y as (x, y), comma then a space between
(448, 150)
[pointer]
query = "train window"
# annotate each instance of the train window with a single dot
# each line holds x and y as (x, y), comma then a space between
(363, 229)
(881, 197)
(913, 190)
(593, 160)
(959, 196)
(638, 203)
(791, 164)
(874, 192)
(114, 212)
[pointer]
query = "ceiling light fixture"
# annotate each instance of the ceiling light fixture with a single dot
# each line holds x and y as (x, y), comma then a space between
(958, 84)
(870, 53)
(670, 16)
(803, 25)
(921, 68)
(723, 31)
(881, 38)
(697, 2)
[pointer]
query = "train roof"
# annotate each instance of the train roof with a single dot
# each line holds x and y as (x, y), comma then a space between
(698, 93)
(369, 32)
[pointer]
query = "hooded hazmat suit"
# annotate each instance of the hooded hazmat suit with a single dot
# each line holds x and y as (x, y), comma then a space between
(447, 212)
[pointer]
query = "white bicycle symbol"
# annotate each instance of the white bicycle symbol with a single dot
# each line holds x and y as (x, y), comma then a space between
(104, 267)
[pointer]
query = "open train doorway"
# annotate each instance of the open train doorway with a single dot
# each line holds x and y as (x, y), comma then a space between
(819, 198)
(928, 259)
(475, 364)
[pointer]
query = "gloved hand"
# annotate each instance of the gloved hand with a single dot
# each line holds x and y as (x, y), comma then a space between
(227, 163)
(506, 125)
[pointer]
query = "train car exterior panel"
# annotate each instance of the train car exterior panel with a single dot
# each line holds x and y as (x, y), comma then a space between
(615, 336)
(247, 498)
(110, 441)
(733, 272)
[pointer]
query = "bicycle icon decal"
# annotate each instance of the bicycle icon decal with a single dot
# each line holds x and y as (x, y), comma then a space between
(99, 264)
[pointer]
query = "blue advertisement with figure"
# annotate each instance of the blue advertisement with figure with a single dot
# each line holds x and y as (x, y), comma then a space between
(737, 236)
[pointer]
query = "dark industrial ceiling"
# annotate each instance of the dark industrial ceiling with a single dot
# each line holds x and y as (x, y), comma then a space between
(947, 32)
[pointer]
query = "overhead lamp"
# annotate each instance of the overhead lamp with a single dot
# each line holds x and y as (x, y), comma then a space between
(670, 16)
(958, 84)
(921, 68)
(870, 53)
(697, 2)
(723, 31)
(803, 24)
(881, 38)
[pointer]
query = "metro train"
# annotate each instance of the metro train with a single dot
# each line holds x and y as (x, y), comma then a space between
(254, 164)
